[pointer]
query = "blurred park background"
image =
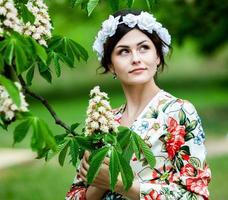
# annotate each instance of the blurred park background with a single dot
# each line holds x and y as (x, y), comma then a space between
(197, 71)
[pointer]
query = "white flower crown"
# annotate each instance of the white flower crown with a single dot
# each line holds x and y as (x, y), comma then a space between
(145, 21)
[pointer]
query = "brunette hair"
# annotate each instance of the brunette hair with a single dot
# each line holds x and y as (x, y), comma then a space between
(123, 29)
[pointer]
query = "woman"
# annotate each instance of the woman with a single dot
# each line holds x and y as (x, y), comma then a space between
(132, 45)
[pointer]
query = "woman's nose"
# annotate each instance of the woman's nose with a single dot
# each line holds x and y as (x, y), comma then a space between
(135, 57)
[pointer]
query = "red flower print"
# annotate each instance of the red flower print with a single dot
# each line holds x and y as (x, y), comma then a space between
(153, 195)
(175, 137)
(199, 182)
(162, 175)
(188, 170)
(77, 190)
(185, 157)
(117, 119)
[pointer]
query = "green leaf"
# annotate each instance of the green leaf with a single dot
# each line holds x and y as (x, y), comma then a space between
(55, 42)
(9, 53)
(11, 89)
(42, 67)
(124, 135)
(21, 130)
(21, 59)
(26, 15)
(191, 126)
(128, 152)
(30, 75)
(60, 138)
(150, 4)
(130, 3)
(74, 126)
(95, 163)
(42, 135)
(78, 48)
(50, 153)
(113, 168)
(36, 140)
(1, 63)
(57, 65)
(47, 134)
(66, 60)
(72, 2)
(74, 151)
(126, 172)
(182, 117)
(188, 136)
(195, 162)
(185, 149)
(91, 5)
(40, 51)
(179, 163)
(135, 145)
(110, 139)
(146, 151)
(62, 154)
(85, 142)
(67, 49)
(3, 44)
(46, 75)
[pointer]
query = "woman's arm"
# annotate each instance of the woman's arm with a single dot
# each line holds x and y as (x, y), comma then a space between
(182, 173)
(133, 193)
(94, 193)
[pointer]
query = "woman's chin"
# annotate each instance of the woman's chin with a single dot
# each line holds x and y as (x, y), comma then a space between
(138, 81)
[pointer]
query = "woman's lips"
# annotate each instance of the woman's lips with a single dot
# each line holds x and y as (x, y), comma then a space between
(137, 70)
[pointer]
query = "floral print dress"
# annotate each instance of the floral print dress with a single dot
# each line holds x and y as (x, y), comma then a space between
(172, 129)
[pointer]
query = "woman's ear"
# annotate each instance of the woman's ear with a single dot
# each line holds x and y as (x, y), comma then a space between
(158, 60)
(111, 68)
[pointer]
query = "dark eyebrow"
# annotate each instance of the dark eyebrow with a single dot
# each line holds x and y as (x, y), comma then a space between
(125, 46)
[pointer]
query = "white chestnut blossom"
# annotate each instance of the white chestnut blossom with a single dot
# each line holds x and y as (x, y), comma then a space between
(7, 107)
(9, 17)
(40, 30)
(144, 21)
(100, 117)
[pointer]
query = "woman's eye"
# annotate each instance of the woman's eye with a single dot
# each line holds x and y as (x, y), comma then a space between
(123, 51)
(144, 47)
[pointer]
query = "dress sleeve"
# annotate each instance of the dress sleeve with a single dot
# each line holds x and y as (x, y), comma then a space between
(77, 190)
(183, 173)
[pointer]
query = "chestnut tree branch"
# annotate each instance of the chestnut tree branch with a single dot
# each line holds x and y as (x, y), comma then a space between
(58, 121)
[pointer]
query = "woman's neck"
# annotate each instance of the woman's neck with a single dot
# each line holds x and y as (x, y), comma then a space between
(138, 96)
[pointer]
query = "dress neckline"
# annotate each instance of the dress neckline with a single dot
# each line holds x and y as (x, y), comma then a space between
(123, 107)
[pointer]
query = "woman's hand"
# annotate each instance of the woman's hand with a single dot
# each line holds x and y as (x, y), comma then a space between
(93, 192)
(102, 179)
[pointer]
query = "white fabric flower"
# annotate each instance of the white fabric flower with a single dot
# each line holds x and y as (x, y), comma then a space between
(130, 20)
(109, 26)
(145, 21)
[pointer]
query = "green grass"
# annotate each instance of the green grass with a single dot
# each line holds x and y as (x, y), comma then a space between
(218, 185)
(36, 181)
(49, 181)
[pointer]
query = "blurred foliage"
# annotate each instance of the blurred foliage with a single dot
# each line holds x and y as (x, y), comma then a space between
(204, 21)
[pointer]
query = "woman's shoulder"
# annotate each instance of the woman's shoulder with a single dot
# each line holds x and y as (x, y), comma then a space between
(170, 103)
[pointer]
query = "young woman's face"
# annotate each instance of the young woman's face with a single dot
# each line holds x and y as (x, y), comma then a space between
(134, 58)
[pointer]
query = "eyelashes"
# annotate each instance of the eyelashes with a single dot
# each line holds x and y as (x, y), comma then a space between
(141, 48)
